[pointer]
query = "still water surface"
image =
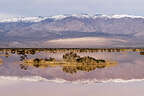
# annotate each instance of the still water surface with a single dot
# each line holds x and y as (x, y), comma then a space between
(73, 65)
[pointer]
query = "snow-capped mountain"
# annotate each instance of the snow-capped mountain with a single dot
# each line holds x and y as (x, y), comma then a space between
(71, 26)
(23, 19)
(59, 17)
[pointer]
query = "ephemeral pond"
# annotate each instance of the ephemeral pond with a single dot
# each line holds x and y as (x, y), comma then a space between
(73, 65)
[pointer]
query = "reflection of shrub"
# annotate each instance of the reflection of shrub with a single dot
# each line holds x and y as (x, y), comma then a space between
(86, 68)
(69, 69)
(1, 61)
(141, 53)
(36, 62)
(23, 67)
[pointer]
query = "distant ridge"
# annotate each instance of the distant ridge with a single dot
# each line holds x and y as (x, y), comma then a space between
(58, 17)
(102, 30)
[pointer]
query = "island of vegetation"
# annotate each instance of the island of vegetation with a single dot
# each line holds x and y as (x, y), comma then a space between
(71, 63)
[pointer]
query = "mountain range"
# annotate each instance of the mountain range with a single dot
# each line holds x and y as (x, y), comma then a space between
(72, 31)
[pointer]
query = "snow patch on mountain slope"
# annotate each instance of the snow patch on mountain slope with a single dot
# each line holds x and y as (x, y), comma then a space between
(117, 16)
(128, 16)
(59, 17)
(23, 19)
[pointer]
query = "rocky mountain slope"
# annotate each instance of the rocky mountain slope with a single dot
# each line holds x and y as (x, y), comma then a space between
(39, 29)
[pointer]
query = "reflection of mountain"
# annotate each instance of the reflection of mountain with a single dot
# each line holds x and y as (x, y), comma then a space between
(71, 63)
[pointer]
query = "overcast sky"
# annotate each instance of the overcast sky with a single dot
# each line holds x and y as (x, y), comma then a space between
(55, 7)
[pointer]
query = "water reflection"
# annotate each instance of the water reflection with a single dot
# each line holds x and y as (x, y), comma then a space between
(141, 53)
(55, 50)
(1, 61)
(72, 64)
